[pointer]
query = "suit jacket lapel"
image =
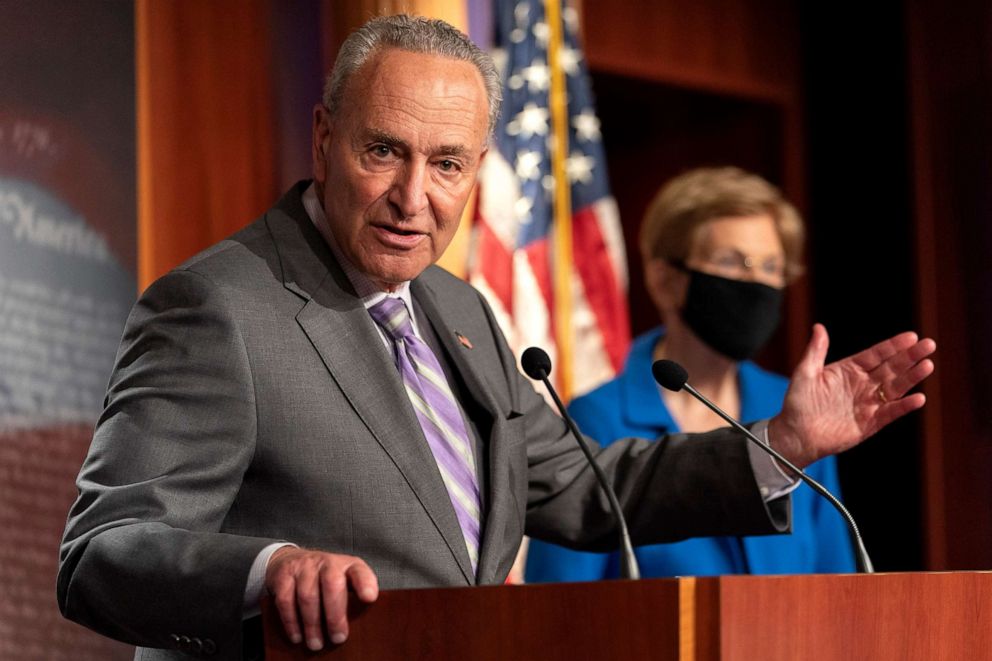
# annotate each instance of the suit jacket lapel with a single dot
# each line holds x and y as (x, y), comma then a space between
(344, 335)
(446, 322)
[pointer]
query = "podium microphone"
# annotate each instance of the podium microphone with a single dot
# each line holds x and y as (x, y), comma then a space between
(672, 376)
(537, 365)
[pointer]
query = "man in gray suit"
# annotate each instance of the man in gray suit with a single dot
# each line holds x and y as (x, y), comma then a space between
(268, 427)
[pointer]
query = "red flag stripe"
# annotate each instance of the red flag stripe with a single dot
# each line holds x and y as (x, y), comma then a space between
(603, 291)
(494, 263)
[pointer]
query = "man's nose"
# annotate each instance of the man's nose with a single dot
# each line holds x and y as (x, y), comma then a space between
(409, 191)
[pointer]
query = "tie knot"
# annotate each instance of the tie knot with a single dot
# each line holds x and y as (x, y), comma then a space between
(394, 318)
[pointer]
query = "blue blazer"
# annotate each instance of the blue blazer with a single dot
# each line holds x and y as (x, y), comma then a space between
(631, 405)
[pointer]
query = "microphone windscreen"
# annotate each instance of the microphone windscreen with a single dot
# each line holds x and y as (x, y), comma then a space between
(536, 363)
(669, 374)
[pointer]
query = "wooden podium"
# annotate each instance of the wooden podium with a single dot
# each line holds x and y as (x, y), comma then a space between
(925, 616)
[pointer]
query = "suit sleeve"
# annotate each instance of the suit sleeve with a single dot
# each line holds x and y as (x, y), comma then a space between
(143, 559)
(682, 485)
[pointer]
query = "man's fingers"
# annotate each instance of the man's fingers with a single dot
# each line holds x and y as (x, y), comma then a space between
(334, 592)
(902, 371)
(918, 352)
(904, 360)
(309, 602)
(334, 584)
(895, 410)
(310, 589)
(284, 596)
(875, 355)
(363, 581)
(816, 352)
(908, 379)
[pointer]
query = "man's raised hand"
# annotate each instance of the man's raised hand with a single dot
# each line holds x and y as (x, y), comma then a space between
(830, 408)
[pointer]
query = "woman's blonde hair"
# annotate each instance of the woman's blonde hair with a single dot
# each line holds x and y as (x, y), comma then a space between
(688, 201)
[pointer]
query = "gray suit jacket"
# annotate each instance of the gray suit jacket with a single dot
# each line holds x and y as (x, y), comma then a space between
(253, 401)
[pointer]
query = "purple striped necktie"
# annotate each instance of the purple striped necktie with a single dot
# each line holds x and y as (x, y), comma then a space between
(439, 416)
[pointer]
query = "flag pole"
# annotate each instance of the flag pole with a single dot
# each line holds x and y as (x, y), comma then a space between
(557, 101)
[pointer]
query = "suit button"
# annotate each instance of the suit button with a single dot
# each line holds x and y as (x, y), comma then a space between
(196, 645)
(185, 644)
(209, 647)
(174, 638)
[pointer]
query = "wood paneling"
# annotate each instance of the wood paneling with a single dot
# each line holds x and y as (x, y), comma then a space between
(730, 47)
(884, 617)
(553, 622)
(206, 157)
(951, 90)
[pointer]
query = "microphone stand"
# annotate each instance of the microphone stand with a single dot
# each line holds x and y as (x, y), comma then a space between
(537, 365)
(864, 562)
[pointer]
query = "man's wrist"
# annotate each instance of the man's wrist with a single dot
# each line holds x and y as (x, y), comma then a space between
(773, 481)
(255, 586)
(781, 438)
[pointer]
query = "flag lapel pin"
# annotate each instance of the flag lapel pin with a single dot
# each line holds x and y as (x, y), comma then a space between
(465, 342)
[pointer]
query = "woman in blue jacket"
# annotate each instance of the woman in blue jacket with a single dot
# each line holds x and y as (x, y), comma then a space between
(719, 246)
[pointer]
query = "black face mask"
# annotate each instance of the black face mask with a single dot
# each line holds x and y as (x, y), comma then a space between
(734, 317)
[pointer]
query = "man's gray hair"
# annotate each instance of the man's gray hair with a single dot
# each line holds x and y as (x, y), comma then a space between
(415, 34)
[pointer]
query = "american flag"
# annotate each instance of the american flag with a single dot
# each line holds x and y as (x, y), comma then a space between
(514, 260)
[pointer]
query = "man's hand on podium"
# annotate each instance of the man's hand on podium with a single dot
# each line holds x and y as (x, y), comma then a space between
(305, 583)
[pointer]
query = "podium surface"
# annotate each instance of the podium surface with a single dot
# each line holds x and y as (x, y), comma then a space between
(837, 617)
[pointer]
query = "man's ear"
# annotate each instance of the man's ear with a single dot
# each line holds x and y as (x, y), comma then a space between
(478, 166)
(320, 139)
